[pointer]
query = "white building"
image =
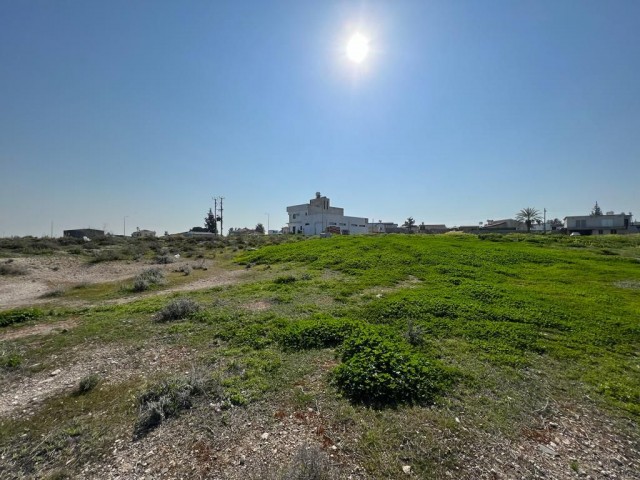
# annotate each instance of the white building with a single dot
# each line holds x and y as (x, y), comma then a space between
(318, 216)
(600, 224)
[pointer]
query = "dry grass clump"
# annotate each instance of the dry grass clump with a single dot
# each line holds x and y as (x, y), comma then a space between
(9, 269)
(178, 309)
(145, 280)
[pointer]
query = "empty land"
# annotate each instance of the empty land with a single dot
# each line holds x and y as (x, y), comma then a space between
(394, 356)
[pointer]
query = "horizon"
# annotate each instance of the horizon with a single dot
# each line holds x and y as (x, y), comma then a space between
(449, 113)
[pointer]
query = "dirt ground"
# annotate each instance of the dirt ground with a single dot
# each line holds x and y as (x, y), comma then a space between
(46, 274)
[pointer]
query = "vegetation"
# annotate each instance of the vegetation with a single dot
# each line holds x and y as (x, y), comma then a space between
(396, 349)
(211, 222)
(596, 211)
(528, 216)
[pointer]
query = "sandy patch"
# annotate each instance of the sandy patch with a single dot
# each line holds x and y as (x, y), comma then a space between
(37, 329)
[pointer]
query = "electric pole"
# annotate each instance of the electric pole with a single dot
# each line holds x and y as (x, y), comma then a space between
(217, 210)
(544, 225)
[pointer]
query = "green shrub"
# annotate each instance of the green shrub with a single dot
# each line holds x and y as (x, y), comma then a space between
(178, 309)
(380, 372)
(316, 333)
(88, 383)
(19, 315)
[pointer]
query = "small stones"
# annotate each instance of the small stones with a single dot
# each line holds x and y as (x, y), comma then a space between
(407, 469)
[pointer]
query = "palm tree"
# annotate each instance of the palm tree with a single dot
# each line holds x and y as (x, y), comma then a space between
(528, 216)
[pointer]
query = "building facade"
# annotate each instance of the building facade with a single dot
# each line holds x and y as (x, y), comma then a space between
(600, 224)
(318, 216)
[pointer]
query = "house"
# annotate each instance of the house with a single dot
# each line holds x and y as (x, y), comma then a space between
(600, 224)
(382, 227)
(318, 215)
(439, 228)
(143, 233)
(83, 232)
(507, 224)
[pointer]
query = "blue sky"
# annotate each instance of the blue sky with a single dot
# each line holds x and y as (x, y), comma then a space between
(463, 111)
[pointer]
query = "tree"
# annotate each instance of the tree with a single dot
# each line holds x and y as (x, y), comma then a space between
(528, 216)
(556, 223)
(597, 211)
(260, 229)
(211, 222)
(409, 223)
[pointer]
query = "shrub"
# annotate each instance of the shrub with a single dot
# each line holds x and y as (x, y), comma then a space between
(88, 383)
(166, 399)
(186, 269)
(178, 309)
(7, 269)
(378, 371)
(414, 335)
(147, 279)
(316, 333)
(164, 259)
(309, 463)
(19, 315)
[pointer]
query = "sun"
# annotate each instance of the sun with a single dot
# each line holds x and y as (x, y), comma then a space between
(357, 48)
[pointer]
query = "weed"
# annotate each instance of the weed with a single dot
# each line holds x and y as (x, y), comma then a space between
(88, 383)
(164, 400)
(12, 270)
(10, 359)
(177, 310)
(145, 280)
(19, 315)
(319, 332)
(380, 372)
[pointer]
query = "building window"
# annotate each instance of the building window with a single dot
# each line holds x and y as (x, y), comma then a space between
(332, 223)
(306, 224)
(343, 224)
(295, 215)
(614, 231)
(600, 232)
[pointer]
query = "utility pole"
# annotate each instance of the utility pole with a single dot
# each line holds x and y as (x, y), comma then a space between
(217, 210)
(544, 225)
(124, 225)
(267, 223)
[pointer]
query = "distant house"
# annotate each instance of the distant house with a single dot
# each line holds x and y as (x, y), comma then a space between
(440, 228)
(143, 233)
(83, 232)
(318, 216)
(382, 227)
(508, 224)
(600, 224)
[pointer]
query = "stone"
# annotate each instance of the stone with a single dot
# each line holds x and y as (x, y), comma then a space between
(407, 469)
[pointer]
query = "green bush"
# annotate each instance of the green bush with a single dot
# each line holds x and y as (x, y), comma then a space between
(178, 309)
(380, 372)
(88, 383)
(283, 280)
(316, 333)
(19, 315)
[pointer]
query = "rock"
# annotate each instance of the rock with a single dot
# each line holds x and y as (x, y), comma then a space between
(55, 372)
(407, 469)
(547, 450)
(264, 436)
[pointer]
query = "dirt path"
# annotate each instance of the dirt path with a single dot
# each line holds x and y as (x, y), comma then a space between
(46, 274)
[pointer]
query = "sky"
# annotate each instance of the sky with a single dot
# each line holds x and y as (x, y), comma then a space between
(124, 114)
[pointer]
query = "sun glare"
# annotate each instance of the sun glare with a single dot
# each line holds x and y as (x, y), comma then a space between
(357, 48)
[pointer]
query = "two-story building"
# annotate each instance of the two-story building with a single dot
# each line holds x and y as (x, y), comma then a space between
(318, 216)
(600, 224)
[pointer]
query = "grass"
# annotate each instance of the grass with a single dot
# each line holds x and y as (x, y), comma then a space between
(390, 337)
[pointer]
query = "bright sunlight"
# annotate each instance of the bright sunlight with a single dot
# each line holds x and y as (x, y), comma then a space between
(357, 48)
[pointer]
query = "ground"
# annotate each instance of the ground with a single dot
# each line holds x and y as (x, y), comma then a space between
(531, 422)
